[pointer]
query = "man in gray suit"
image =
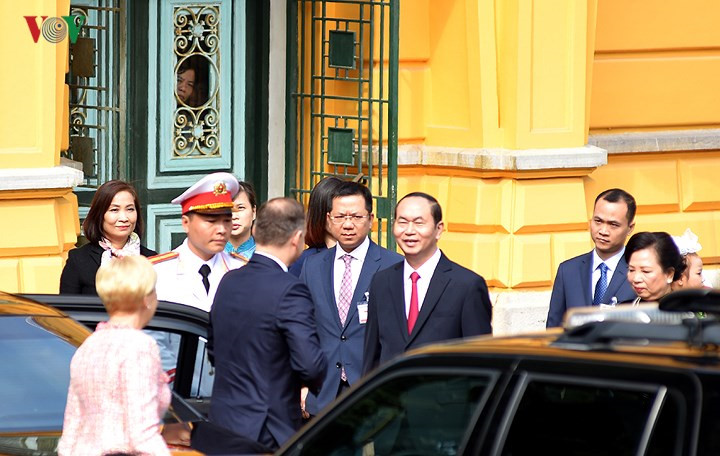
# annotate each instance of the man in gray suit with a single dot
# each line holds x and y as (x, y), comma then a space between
(339, 279)
(600, 276)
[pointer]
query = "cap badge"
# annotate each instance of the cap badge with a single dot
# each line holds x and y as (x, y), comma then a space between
(220, 188)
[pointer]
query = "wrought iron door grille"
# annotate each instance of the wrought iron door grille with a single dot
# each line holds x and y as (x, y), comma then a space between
(196, 129)
(342, 108)
(96, 82)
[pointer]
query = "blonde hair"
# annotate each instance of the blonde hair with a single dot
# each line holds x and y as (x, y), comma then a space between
(123, 283)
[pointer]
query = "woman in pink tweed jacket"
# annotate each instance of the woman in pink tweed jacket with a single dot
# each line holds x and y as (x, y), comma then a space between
(118, 390)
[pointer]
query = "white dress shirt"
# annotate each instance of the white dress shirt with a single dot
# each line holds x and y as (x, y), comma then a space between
(611, 263)
(179, 280)
(425, 272)
(358, 258)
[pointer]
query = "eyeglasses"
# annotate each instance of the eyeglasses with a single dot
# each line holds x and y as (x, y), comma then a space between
(354, 219)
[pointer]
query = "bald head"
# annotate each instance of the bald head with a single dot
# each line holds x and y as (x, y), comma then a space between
(277, 221)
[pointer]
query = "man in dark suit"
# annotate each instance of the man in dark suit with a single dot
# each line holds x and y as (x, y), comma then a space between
(426, 298)
(339, 279)
(265, 340)
(600, 276)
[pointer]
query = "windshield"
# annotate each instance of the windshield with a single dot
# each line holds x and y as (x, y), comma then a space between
(36, 375)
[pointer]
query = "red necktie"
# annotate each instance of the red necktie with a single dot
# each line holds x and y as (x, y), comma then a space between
(414, 310)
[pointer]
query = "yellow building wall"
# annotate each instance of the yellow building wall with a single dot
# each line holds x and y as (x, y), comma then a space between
(657, 65)
(481, 73)
(516, 232)
(39, 225)
(520, 75)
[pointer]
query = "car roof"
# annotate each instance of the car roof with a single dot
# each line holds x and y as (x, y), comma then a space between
(90, 309)
(51, 319)
(548, 345)
(16, 305)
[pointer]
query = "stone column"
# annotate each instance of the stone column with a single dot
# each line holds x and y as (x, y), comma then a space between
(494, 109)
(38, 211)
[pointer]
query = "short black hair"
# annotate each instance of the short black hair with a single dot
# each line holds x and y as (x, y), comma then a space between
(350, 188)
(278, 220)
(614, 195)
(435, 209)
(665, 248)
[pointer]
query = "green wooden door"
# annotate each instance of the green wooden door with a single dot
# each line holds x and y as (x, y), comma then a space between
(175, 139)
(130, 119)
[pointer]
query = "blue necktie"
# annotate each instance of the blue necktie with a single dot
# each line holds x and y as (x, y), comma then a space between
(601, 286)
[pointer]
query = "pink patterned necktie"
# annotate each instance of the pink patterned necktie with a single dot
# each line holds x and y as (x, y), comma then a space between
(344, 298)
(345, 295)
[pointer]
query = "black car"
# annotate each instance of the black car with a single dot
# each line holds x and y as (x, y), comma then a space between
(636, 381)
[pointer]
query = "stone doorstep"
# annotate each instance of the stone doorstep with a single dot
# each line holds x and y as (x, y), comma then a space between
(62, 176)
(657, 141)
(504, 159)
(518, 312)
(497, 159)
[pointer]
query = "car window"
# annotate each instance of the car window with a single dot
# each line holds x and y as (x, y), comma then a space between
(424, 414)
(203, 374)
(580, 419)
(37, 364)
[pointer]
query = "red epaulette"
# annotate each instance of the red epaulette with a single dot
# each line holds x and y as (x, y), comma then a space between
(237, 256)
(163, 257)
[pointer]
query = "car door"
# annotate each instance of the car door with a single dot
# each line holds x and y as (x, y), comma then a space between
(427, 407)
(580, 407)
(186, 325)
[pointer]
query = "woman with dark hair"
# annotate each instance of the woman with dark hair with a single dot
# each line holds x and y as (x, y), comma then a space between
(317, 236)
(191, 88)
(243, 216)
(654, 263)
(112, 227)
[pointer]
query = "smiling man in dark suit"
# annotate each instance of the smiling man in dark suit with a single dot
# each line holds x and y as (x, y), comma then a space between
(426, 298)
(600, 276)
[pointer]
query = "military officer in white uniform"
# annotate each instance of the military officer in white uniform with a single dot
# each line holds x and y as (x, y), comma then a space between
(190, 274)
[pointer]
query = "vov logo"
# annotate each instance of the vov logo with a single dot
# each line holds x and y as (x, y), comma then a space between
(55, 29)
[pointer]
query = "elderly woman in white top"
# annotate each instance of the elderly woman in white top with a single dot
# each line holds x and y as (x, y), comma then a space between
(689, 247)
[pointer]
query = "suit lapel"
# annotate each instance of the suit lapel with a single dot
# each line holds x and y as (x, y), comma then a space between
(438, 283)
(396, 287)
(586, 278)
(618, 278)
(328, 270)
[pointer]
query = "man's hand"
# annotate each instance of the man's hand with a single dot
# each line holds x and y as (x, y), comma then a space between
(303, 396)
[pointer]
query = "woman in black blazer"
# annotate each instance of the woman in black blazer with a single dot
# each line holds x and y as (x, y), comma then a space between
(113, 226)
